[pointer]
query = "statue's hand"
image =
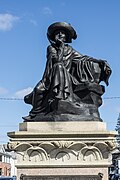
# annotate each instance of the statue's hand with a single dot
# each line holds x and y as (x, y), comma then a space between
(60, 42)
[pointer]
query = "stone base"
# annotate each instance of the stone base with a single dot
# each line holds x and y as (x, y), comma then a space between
(62, 127)
(69, 172)
(62, 148)
(64, 110)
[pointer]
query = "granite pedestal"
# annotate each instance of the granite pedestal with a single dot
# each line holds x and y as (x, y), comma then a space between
(62, 149)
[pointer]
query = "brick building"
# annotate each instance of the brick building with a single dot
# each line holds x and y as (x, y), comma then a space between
(5, 166)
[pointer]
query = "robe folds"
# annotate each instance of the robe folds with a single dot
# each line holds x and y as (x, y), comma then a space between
(73, 71)
(77, 68)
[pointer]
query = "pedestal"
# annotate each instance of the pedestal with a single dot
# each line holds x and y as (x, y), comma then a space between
(63, 149)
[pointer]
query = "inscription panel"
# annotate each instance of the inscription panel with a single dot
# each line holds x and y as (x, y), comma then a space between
(79, 177)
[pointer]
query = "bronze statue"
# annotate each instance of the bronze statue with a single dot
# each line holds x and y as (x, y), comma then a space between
(70, 87)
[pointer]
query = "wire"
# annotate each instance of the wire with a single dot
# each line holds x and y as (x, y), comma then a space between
(21, 99)
(112, 97)
(10, 99)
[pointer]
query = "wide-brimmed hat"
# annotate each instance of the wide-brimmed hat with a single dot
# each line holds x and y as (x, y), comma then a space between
(66, 27)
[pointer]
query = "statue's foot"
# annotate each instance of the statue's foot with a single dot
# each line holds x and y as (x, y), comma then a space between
(27, 118)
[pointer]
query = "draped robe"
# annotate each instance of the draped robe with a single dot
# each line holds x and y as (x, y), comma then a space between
(71, 72)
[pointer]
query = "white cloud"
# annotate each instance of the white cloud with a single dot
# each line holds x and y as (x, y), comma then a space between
(118, 109)
(46, 11)
(3, 90)
(7, 21)
(33, 22)
(23, 92)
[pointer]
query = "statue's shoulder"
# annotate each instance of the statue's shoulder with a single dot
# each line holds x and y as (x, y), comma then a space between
(68, 48)
(51, 48)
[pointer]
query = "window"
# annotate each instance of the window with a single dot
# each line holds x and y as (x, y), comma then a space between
(0, 158)
(0, 171)
(4, 159)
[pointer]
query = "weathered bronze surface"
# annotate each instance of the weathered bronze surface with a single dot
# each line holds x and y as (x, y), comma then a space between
(70, 88)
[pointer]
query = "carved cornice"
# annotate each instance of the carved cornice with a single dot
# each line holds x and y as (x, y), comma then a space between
(62, 151)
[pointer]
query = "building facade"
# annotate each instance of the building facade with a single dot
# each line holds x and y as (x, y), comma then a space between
(5, 165)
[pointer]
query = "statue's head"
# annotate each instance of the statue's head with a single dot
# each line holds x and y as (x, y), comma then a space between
(63, 27)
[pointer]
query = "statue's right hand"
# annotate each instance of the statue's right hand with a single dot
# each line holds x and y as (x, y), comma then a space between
(59, 42)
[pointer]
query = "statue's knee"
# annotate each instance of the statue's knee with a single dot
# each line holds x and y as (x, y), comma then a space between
(28, 98)
(59, 66)
(39, 89)
(36, 90)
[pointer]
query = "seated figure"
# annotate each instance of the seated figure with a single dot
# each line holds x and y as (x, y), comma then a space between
(70, 87)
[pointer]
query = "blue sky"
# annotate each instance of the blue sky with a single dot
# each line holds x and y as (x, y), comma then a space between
(23, 43)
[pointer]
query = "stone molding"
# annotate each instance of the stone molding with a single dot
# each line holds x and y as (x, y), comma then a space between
(62, 152)
(62, 144)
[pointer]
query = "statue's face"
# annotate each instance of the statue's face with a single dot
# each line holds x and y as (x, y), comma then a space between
(60, 35)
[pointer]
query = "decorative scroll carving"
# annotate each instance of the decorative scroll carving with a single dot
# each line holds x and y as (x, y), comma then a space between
(62, 151)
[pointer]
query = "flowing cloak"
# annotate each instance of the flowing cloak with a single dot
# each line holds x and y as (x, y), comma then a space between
(76, 69)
